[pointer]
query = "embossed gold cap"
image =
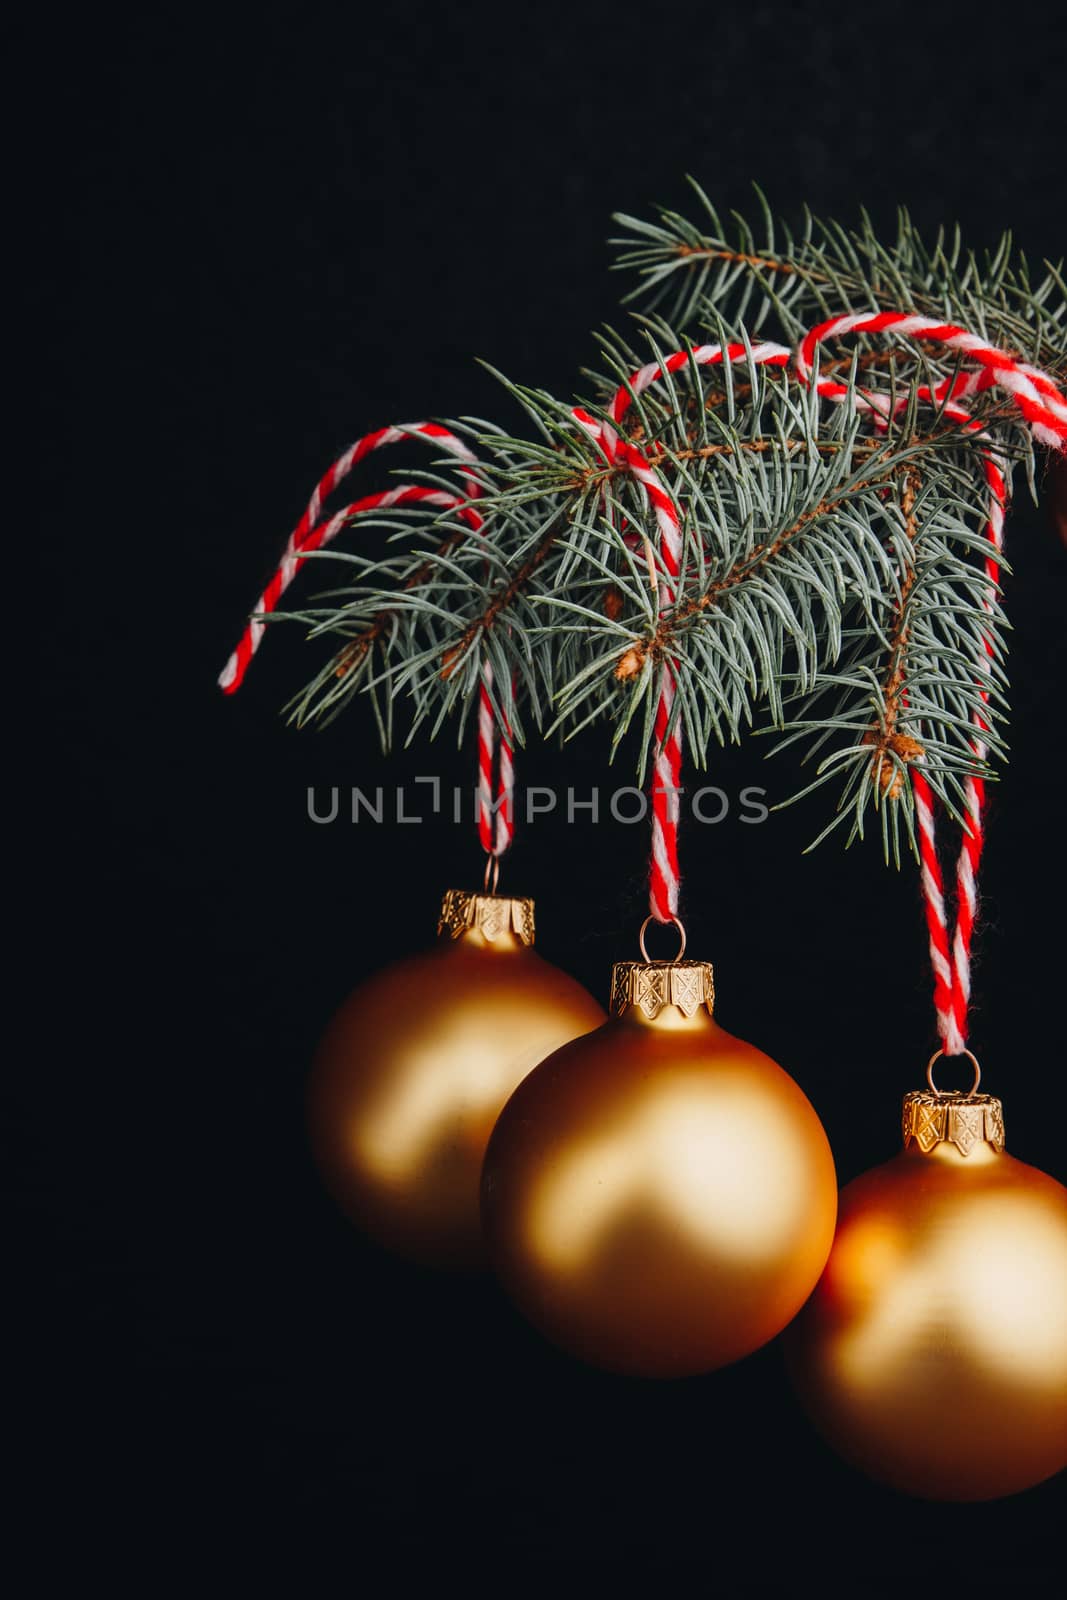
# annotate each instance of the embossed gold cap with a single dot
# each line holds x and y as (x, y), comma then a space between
(491, 914)
(651, 985)
(963, 1120)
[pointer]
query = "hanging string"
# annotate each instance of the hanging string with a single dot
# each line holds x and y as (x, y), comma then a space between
(313, 532)
(496, 815)
(1045, 408)
(664, 875)
(667, 762)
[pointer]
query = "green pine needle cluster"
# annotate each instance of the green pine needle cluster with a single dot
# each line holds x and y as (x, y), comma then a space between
(832, 581)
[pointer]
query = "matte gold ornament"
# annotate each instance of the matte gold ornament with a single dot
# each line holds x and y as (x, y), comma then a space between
(933, 1353)
(415, 1067)
(658, 1196)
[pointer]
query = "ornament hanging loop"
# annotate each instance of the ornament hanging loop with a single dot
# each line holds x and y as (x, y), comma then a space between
(492, 874)
(971, 1057)
(681, 935)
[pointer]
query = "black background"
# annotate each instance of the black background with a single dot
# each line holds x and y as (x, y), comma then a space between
(248, 247)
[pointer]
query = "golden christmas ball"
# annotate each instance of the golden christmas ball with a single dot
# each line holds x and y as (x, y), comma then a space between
(933, 1353)
(658, 1196)
(414, 1069)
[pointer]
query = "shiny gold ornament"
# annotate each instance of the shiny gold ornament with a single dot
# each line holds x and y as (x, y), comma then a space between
(658, 1196)
(933, 1353)
(415, 1067)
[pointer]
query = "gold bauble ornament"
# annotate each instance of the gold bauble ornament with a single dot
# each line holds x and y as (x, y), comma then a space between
(933, 1353)
(658, 1196)
(414, 1069)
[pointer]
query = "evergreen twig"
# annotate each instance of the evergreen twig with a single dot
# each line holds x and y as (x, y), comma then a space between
(832, 579)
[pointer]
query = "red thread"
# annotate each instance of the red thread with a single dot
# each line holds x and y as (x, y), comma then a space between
(1045, 408)
(312, 533)
(664, 876)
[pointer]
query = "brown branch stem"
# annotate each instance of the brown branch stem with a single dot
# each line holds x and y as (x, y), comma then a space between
(499, 602)
(351, 654)
(690, 252)
(659, 643)
(887, 739)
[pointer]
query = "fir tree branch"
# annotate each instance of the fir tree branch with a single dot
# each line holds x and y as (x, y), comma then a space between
(832, 587)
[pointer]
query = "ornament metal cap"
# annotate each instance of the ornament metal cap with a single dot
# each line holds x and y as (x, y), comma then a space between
(651, 985)
(491, 915)
(964, 1120)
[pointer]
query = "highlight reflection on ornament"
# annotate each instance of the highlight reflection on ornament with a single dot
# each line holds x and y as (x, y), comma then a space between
(933, 1353)
(417, 1064)
(659, 1197)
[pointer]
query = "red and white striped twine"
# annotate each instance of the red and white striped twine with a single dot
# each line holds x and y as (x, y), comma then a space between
(496, 819)
(1045, 409)
(312, 532)
(664, 877)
